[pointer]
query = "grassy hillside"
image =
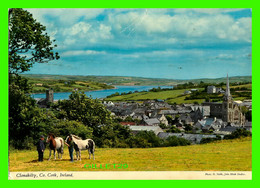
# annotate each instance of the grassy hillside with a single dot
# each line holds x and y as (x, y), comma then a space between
(124, 80)
(41, 84)
(170, 96)
(227, 155)
(178, 97)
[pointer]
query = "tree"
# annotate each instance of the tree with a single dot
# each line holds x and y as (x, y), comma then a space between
(24, 117)
(169, 119)
(64, 128)
(173, 129)
(79, 107)
(162, 125)
(150, 137)
(187, 127)
(175, 141)
(27, 42)
(242, 132)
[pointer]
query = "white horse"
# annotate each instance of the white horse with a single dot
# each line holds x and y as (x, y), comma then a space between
(56, 143)
(80, 144)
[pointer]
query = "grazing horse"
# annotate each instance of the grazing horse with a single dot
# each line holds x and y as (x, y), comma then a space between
(56, 143)
(80, 144)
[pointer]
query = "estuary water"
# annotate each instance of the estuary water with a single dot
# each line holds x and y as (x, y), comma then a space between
(101, 93)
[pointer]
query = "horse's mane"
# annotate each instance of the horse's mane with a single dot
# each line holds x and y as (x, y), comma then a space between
(77, 137)
(51, 134)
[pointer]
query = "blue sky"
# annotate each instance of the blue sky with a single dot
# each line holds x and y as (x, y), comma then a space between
(157, 43)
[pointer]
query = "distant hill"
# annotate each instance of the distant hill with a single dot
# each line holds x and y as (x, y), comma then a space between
(124, 80)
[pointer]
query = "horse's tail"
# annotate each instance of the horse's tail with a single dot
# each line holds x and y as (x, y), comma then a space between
(62, 146)
(91, 145)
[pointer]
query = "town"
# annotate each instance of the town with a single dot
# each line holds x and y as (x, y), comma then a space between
(192, 122)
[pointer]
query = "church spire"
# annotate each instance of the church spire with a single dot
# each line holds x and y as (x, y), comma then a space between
(227, 94)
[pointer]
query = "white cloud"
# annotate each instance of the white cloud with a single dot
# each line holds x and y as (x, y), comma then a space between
(214, 26)
(82, 52)
(142, 28)
(104, 32)
(207, 10)
(224, 56)
(64, 15)
(80, 29)
(84, 32)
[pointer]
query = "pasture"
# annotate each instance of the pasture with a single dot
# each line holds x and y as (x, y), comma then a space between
(170, 96)
(225, 155)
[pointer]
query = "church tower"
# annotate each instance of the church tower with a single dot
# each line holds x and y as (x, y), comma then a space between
(49, 95)
(227, 105)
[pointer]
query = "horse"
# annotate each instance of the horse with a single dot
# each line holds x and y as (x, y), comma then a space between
(56, 143)
(80, 144)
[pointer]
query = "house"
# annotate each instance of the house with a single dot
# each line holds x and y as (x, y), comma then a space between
(211, 89)
(186, 92)
(168, 112)
(205, 110)
(140, 111)
(127, 123)
(110, 103)
(152, 122)
(137, 117)
(163, 119)
(219, 90)
(179, 125)
(248, 126)
(186, 119)
(209, 125)
(199, 112)
(155, 129)
(247, 103)
(160, 106)
(38, 84)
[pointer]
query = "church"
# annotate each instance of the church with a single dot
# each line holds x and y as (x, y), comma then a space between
(228, 110)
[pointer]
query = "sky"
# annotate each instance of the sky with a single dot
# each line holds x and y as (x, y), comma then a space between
(152, 43)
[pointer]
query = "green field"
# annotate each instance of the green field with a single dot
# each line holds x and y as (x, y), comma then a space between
(226, 155)
(39, 85)
(170, 96)
(173, 96)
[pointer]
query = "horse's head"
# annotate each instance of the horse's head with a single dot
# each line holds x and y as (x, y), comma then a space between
(50, 137)
(68, 138)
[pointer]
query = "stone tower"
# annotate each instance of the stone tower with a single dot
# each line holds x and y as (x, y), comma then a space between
(49, 95)
(227, 104)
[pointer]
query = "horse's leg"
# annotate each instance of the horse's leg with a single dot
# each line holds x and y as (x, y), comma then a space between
(54, 154)
(93, 154)
(79, 155)
(89, 153)
(61, 155)
(50, 155)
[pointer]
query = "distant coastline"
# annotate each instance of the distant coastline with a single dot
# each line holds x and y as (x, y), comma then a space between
(127, 80)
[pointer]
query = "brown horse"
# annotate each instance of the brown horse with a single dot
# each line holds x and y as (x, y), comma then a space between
(56, 143)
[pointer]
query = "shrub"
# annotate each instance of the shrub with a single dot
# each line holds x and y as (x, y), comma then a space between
(175, 141)
(209, 140)
(151, 138)
(238, 134)
(173, 129)
(138, 142)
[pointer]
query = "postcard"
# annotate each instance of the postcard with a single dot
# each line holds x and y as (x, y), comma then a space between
(130, 93)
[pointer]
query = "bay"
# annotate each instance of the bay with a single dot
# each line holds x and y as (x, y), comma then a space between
(101, 93)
